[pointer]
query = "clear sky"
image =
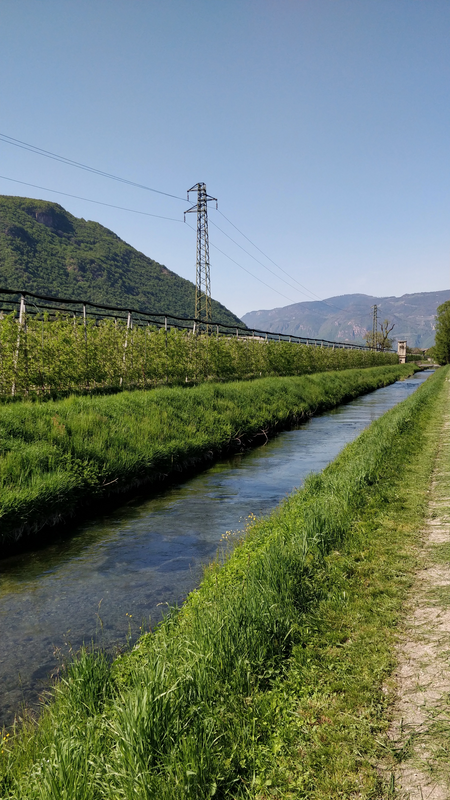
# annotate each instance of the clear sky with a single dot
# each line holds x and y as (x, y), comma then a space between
(322, 127)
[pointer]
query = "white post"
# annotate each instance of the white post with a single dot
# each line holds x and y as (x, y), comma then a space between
(16, 354)
(129, 325)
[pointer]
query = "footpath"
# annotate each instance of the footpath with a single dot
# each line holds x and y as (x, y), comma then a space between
(420, 732)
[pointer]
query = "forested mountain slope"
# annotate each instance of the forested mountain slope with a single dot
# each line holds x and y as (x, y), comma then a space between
(45, 249)
(347, 317)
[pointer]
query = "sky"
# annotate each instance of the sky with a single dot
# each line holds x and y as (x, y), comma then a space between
(321, 126)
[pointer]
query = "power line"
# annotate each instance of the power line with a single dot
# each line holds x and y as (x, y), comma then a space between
(268, 257)
(172, 219)
(63, 160)
(157, 216)
(325, 302)
(88, 200)
(79, 165)
(257, 260)
(330, 305)
(250, 273)
(245, 270)
(147, 214)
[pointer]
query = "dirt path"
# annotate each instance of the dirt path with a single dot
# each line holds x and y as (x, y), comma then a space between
(421, 728)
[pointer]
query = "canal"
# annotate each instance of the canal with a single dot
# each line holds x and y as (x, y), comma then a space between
(118, 572)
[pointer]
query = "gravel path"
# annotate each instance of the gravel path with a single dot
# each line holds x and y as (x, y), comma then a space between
(421, 728)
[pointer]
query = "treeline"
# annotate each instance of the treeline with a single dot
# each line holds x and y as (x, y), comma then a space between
(41, 356)
(441, 350)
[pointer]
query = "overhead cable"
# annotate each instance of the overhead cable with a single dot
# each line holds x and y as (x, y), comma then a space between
(63, 160)
(268, 257)
(326, 302)
(257, 260)
(145, 213)
(245, 270)
(88, 200)
(79, 165)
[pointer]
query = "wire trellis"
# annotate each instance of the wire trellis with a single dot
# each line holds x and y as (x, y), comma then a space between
(52, 345)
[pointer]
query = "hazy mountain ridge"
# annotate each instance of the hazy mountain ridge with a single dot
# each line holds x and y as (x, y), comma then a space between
(347, 317)
(45, 249)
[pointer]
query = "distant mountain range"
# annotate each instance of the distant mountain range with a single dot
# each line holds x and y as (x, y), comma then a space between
(347, 317)
(46, 250)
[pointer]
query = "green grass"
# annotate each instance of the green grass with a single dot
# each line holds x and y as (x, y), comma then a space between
(440, 553)
(268, 682)
(59, 455)
(335, 698)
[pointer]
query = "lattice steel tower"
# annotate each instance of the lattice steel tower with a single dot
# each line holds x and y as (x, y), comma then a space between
(375, 328)
(203, 273)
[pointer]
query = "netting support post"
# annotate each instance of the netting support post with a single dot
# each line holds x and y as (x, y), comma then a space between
(22, 312)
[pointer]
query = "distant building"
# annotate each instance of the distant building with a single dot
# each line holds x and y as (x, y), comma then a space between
(401, 350)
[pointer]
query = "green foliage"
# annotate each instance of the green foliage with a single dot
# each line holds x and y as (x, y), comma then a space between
(441, 349)
(53, 357)
(46, 250)
(224, 699)
(57, 455)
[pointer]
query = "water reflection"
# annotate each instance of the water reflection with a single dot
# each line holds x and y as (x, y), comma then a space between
(121, 569)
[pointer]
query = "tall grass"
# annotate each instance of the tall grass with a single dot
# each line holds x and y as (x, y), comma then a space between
(58, 455)
(184, 714)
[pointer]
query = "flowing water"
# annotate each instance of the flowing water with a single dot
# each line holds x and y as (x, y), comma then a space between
(119, 571)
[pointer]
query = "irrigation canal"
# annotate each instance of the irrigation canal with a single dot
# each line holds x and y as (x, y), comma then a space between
(117, 572)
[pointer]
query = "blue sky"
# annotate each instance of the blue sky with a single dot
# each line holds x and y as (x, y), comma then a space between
(322, 127)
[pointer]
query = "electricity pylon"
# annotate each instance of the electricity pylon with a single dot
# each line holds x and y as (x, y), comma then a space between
(375, 328)
(203, 273)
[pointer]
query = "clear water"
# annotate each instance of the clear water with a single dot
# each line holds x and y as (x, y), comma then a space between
(119, 571)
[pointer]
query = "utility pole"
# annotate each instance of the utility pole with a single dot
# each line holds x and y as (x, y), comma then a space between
(374, 327)
(203, 273)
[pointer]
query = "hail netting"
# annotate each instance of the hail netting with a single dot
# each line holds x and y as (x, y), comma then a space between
(52, 345)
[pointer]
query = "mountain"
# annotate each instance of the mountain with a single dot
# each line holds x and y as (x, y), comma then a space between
(46, 250)
(347, 317)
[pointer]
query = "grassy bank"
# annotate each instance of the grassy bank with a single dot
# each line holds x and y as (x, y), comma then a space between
(268, 682)
(59, 455)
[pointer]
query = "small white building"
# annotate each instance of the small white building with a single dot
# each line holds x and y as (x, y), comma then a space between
(401, 350)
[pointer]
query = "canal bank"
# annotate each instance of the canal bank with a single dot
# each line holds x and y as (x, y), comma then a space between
(61, 458)
(118, 572)
(228, 660)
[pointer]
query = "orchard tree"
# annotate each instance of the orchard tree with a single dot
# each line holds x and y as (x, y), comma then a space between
(441, 349)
